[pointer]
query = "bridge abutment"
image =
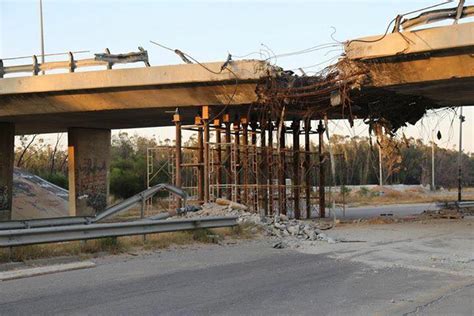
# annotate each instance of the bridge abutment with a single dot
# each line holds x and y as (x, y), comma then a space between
(7, 144)
(89, 170)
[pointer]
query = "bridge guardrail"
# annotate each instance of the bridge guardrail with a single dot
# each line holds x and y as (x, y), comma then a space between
(20, 237)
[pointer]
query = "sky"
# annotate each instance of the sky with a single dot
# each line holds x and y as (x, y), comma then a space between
(209, 30)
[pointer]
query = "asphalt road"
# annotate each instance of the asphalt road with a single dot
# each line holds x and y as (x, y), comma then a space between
(394, 209)
(248, 278)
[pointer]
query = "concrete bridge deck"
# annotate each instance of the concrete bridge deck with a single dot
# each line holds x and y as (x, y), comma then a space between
(125, 98)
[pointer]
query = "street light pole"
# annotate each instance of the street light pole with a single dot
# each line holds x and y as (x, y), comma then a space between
(461, 120)
(380, 166)
(433, 187)
(42, 32)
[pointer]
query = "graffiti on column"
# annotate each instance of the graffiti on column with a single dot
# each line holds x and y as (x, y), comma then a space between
(92, 183)
(4, 201)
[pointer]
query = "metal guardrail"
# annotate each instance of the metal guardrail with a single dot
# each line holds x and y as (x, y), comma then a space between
(111, 211)
(20, 237)
(105, 59)
(456, 204)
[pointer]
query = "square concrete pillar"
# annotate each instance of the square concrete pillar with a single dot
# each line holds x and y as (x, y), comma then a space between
(89, 170)
(7, 146)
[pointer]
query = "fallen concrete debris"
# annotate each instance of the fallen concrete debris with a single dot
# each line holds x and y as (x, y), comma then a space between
(277, 226)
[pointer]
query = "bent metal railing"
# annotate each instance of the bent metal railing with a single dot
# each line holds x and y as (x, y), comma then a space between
(109, 212)
(19, 233)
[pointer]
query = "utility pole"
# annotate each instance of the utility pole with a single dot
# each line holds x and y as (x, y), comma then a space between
(461, 120)
(380, 166)
(42, 32)
(433, 187)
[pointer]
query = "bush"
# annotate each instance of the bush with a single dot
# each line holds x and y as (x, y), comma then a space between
(58, 179)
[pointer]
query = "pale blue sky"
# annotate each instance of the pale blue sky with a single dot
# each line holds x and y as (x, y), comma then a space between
(208, 30)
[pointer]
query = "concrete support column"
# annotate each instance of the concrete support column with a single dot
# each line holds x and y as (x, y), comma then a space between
(89, 170)
(7, 144)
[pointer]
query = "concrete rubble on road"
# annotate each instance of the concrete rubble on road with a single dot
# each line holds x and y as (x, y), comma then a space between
(289, 232)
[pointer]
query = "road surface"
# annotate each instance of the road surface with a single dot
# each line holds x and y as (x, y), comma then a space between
(394, 209)
(247, 278)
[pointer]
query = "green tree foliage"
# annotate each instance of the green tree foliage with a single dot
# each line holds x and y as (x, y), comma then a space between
(356, 162)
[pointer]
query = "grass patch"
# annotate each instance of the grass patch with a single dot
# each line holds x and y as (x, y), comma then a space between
(117, 245)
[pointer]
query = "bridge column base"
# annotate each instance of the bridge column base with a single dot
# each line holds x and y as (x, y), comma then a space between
(89, 170)
(7, 143)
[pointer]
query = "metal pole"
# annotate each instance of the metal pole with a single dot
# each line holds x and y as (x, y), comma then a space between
(282, 169)
(270, 166)
(433, 187)
(217, 126)
(200, 182)
(461, 120)
(245, 162)
(205, 121)
(178, 153)
(322, 177)
(237, 160)
(307, 164)
(226, 119)
(42, 33)
(380, 166)
(264, 173)
(296, 167)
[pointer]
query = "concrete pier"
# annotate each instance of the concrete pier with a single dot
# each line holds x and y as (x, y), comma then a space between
(7, 143)
(89, 170)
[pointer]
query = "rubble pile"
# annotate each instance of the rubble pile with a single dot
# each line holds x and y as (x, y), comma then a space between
(288, 231)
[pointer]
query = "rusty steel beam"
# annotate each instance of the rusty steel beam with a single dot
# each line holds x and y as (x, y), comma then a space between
(245, 161)
(270, 165)
(218, 162)
(238, 179)
(200, 139)
(228, 140)
(178, 153)
(263, 167)
(281, 171)
(205, 123)
(307, 164)
(322, 177)
(296, 167)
